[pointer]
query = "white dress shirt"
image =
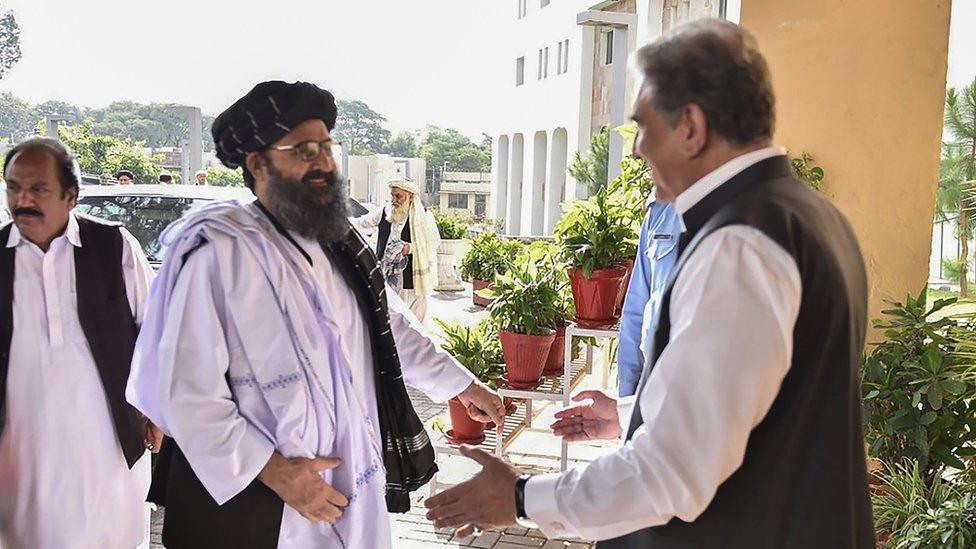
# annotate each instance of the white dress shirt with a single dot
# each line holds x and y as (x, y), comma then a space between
(733, 309)
(229, 452)
(64, 482)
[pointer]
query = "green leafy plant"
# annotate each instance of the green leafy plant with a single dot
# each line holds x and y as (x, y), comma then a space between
(450, 227)
(919, 386)
(952, 269)
(805, 171)
(545, 256)
(910, 512)
(477, 348)
(488, 256)
(526, 299)
(596, 233)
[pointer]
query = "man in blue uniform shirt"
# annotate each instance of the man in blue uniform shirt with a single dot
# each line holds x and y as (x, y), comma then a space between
(657, 251)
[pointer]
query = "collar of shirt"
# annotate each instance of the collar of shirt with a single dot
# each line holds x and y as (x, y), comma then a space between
(70, 232)
(714, 179)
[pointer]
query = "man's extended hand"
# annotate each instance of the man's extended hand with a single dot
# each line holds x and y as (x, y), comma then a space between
(486, 500)
(298, 482)
(483, 404)
(595, 421)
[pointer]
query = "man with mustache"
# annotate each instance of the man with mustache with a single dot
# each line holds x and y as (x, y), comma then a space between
(73, 292)
(276, 360)
(405, 217)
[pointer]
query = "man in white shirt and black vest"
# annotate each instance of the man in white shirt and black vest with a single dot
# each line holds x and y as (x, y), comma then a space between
(747, 427)
(73, 290)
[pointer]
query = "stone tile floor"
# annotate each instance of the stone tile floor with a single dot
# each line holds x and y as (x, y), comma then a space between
(535, 450)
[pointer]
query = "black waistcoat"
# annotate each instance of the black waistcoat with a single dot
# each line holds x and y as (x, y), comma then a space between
(105, 317)
(803, 481)
(384, 237)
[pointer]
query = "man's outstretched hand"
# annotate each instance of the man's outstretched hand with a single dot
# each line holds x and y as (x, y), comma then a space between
(598, 420)
(483, 404)
(486, 500)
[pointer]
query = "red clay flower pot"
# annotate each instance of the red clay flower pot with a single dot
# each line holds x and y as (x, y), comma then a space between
(477, 299)
(596, 297)
(629, 265)
(557, 354)
(463, 428)
(525, 357)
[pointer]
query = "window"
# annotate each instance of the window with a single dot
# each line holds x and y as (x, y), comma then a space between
(559, 59)
(459, 201)
(539, 76)
(520, 71)
(608, 47)
(565, 56)
(545, 64)
(543, 3)
(522, 5)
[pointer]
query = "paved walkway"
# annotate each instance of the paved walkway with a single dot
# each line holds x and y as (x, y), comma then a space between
(535, 450)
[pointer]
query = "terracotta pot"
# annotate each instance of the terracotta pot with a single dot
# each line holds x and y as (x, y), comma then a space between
(557, 354)
(629, 265)
(477, 299)
(525, 356)
(596, 297)
(464, 429)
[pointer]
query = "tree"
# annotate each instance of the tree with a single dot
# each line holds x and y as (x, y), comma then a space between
(99, 154)
(402, 145)
(15, 116)
(360, 128)
(592, 170)
(9, 42)
(957, 173)
(70, 113)
(220, 176)
(458, 151)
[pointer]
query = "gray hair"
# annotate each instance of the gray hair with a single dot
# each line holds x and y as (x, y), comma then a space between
(716, 65)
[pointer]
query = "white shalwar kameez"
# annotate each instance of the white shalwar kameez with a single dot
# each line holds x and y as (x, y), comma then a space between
(64, 482)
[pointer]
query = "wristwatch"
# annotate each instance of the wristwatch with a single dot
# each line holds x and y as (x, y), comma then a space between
(520, 497)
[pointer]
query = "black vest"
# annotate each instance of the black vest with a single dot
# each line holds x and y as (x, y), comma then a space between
(803, 481)
(384, 237)
(105, 317)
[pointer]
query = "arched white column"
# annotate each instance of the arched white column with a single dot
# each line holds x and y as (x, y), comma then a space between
(536, 199)
(516, 159)
(499, 194)
(556, 185)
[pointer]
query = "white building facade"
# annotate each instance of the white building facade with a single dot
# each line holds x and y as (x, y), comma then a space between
(569, 76)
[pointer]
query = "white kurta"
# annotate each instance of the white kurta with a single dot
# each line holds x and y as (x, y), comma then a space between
(225, 450)
(64, 482)
(733, 309)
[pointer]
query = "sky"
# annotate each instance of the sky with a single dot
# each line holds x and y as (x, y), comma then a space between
(417, 62)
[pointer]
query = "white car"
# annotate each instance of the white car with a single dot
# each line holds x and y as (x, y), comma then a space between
(145, 210)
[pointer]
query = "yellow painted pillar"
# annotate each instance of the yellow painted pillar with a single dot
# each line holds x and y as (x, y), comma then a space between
(860, 85)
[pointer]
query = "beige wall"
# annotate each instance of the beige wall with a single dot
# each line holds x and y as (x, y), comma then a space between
(860, 85)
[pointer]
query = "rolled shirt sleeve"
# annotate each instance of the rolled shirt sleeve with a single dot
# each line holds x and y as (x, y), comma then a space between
(700, 402)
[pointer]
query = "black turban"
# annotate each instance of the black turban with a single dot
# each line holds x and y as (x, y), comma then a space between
(266, 114)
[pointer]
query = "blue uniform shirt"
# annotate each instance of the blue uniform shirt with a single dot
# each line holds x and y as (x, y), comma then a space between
(657, 251)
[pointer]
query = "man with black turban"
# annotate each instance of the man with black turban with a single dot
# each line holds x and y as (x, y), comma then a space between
(275, 359)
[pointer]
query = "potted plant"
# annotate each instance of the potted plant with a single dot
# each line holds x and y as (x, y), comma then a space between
(631, 189)
(545, 256)
(478, 350)
(594, 235)
(488, 256)
(526, 302)
(452, 232)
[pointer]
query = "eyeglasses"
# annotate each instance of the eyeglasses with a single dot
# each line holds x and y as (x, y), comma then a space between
(310, 150)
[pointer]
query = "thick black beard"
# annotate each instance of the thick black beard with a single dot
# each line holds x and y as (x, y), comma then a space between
(321, 214)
